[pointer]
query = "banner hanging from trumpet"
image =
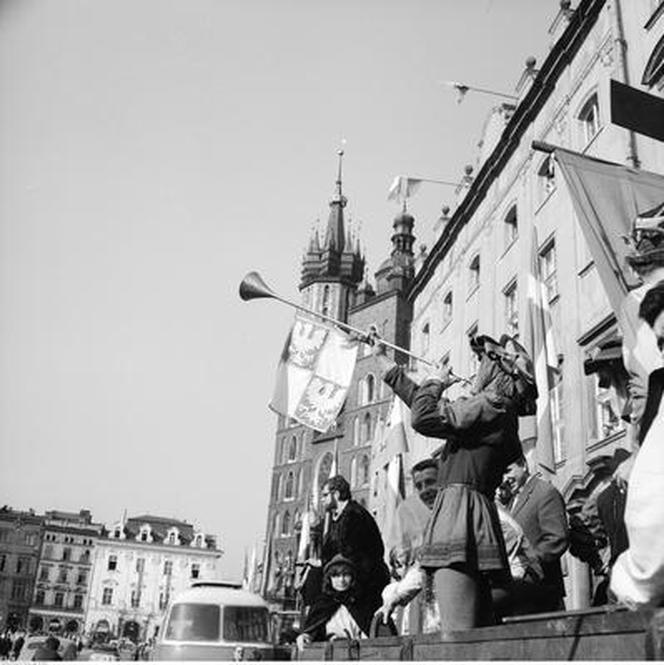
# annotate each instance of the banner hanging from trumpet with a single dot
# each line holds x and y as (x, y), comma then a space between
(314, 373)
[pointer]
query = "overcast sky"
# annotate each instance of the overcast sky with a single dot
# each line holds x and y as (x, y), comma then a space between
(154, 151)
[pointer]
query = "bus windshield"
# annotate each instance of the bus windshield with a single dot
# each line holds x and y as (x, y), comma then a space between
(193, 622)
(246, 624)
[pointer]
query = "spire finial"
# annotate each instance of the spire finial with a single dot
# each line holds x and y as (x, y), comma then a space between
(340, 153)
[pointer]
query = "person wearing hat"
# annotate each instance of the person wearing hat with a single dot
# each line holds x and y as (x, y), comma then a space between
(341, 610)
(463, 542)
(539, 509)
(641, 355)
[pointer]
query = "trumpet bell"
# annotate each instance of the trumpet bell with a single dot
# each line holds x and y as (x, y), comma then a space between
(253, 286)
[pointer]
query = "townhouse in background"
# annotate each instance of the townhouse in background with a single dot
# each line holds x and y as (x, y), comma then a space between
(20, 542)
(139, 564)
(62, 585)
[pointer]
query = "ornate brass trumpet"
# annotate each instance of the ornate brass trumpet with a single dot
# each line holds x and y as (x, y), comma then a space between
(253, 287)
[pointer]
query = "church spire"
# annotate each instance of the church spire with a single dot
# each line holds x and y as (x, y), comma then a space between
(335, 237)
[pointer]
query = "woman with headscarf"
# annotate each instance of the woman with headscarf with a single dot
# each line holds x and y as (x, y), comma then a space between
(463, 542)
(340, 611)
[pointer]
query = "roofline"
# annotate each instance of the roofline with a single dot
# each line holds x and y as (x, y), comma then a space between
(583, 20)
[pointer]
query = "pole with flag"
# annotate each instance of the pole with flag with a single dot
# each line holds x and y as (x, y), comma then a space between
(542, 348)
(267, 561)
(395, 445)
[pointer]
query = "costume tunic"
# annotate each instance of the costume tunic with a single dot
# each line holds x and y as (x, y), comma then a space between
(482, 441)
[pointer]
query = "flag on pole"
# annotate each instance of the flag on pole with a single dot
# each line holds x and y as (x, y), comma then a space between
(305, 534)
(539, 331)
(314, 373)
(267, 563)
(395, 494)
(394, 435)
(249, 576)
(403, 187)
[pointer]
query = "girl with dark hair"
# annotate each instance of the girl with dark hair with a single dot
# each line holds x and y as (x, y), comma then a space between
(340, 611)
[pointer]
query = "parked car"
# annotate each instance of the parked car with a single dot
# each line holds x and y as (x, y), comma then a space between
(100, 652)
(67, 650)
(216, 621)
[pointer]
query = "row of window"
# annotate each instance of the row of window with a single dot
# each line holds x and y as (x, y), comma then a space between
(58, 599)
(548, 277)
(29, 538)
(112, 565)
(22, 567)
(49, 553)
(172, 536)
(135, 598)
(70, 540)
(63, 575)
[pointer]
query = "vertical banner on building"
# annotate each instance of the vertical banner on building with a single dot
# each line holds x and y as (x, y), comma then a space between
(607, 198)
(314, 373)
(539, 330)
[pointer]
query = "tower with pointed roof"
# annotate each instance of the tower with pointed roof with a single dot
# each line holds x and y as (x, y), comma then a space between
(334, 282)
(333, 269)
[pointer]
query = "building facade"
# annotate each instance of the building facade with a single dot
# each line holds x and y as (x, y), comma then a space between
(138, 566)
(62, 585)
(20, 541)
(511, 217)
(517, 214)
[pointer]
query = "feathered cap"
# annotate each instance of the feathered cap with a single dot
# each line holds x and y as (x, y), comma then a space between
(515, 361)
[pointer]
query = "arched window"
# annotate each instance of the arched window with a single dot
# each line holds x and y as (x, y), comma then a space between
(370, 383)
(324, 470)
(447, 308)
(366, 428)
(276, 524)
(325, 307)
(298, 483)
(353, 472)
(653, 74)
(288, 494)
(173, 536)
(292, 449)
(297, 519)
(356, 431)
(364, 470)
(474, 274)
(546, 178)
(286, 524)
(280, 487)
(590, 119)
(511, 227)
(426, 336)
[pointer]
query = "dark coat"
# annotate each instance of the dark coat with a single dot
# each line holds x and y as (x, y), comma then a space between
(355, 535)
(540, 510)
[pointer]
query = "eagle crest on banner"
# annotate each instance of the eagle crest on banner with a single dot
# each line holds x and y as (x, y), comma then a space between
(320, 404)
(307, 340)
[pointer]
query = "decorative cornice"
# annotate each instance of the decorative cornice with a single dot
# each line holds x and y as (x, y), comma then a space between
(541, 89)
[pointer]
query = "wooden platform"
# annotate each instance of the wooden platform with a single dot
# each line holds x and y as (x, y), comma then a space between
(607, 633)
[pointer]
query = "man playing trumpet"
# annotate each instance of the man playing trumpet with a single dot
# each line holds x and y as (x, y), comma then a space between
(463, 544)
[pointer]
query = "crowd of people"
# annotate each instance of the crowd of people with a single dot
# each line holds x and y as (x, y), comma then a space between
(11, 643)
(482, 537)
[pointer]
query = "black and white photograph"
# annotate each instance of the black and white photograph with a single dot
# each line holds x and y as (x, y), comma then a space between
(331, 330)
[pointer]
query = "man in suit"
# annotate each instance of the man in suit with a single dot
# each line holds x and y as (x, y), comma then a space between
(539, 509)
(353, 532)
